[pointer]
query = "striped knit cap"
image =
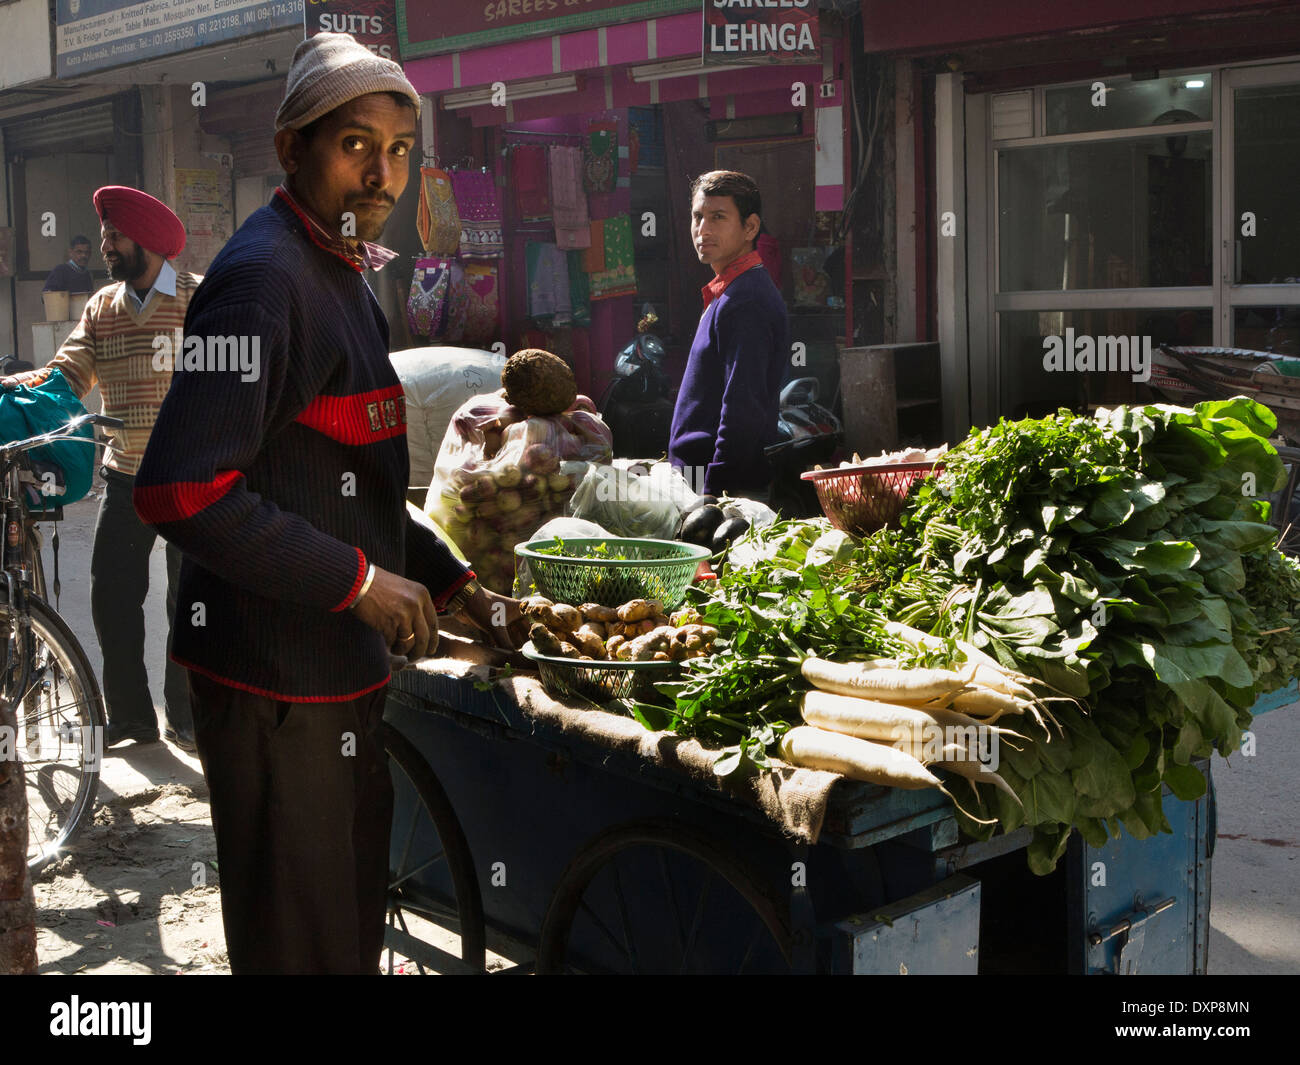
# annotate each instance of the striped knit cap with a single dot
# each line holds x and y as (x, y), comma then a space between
(330, 69)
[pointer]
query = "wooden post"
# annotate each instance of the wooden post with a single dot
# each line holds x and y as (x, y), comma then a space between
(17, 909)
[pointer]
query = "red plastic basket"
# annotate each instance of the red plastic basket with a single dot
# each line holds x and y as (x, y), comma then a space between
(861, 499)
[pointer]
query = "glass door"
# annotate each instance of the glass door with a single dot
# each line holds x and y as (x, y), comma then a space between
(1260, 279)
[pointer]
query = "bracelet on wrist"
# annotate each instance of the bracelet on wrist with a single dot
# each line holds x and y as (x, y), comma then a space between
(460, 600)
(365, 586)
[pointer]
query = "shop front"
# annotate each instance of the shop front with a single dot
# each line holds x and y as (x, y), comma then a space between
(568, 144)
(1118, 178)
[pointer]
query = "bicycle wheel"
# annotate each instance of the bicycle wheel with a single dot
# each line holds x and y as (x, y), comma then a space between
(60, 717)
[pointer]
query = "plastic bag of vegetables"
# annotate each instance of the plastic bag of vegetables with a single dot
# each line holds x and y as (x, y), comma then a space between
(510, 460)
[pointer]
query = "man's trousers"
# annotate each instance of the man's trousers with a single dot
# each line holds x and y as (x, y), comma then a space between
(302, 804)
(119, 581)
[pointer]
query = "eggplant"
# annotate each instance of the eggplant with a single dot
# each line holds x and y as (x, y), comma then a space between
(728, 531)
(702, 501)
(699, 526)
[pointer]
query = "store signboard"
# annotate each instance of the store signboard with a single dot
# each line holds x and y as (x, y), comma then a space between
(372, 22)
(95, 35)
(434, 28)
(782, 31)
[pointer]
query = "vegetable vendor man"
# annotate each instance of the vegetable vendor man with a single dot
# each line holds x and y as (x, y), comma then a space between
(303, 571)
(726, 411)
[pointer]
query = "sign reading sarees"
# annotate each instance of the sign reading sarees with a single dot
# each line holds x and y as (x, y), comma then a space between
(426, 28)
(98, 34)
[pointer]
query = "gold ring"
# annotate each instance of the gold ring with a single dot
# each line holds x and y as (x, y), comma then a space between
(408, 636)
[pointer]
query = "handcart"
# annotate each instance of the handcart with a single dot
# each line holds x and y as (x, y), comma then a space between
(601, 847)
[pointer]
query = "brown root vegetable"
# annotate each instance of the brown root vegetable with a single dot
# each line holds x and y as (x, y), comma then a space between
(613, 644)
(644, 648)
(596, 612)
(648, 625)
(687, 615)
(588, 643)
(639, 610)
(661, 656)
(544, 639)
(677, 651)
(596, 629)
(539, 382)
(567, 616)
(568, 650)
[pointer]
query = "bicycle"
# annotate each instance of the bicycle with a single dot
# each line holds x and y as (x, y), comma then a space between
(46, 679)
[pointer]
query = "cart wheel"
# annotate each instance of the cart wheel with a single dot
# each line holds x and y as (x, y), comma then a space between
(427, 835)
(659, 897)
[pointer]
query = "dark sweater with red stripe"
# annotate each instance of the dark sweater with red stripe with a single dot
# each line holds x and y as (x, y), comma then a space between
(281, 489)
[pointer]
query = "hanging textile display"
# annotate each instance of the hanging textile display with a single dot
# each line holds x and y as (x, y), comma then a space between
(482, 300)
(437, 217)
(548, 282)
(593, 258)
(531, 180)
(601, 157)
(426, 306)
(568, 198)
(457, 304)
(480, 214)
(579, 290)
(618, 278)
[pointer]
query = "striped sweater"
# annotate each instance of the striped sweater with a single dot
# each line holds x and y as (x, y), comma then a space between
(114, 346)
(281, 486)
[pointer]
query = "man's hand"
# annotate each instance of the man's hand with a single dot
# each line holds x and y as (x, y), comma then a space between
(403, 611)
(499, 617)
(30, 378)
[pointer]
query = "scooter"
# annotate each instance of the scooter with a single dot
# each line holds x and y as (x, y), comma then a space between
(811, 434)
(638, 404)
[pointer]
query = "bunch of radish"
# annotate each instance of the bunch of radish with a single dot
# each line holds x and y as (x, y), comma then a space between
(877, 722)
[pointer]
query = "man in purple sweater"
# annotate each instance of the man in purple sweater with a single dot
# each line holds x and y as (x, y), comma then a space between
(726, 411)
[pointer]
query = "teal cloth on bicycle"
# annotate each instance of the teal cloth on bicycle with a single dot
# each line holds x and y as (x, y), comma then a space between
(27, 412)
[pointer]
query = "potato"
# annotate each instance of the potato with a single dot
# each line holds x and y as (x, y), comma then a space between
(569, 618)
(596, 612)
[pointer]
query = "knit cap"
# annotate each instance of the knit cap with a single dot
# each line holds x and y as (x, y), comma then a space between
(330, 69)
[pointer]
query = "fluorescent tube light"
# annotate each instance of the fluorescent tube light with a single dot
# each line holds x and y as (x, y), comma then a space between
(519, 90)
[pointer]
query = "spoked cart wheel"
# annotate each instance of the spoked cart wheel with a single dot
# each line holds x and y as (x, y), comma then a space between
(662, 897)
(428, 847)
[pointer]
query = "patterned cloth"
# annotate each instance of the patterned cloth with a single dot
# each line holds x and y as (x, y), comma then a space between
(457, 304)
(579, 290)
(600, 169)
(528, 174)
(438, 219)
(568, 200)
(357, 253)
(593, 258)
(426, 306)
(483, 296)
(548, 282)
(618, 278)
(480, 214)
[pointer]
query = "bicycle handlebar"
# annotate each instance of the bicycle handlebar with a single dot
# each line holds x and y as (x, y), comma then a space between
(66, 430)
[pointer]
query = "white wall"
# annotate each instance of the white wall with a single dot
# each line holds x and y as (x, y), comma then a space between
(25, 32)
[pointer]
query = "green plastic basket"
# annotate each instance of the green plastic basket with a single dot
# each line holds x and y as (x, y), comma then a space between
(600, 681)
(611, 571)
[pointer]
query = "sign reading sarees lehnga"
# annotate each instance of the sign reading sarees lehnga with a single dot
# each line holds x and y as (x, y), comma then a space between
(434, 28)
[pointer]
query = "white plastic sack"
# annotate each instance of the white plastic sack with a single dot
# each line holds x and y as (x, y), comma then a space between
(628, 500)
(437, 380)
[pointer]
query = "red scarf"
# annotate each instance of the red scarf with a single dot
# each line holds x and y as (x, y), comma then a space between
(357, 253)
(718, 285)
